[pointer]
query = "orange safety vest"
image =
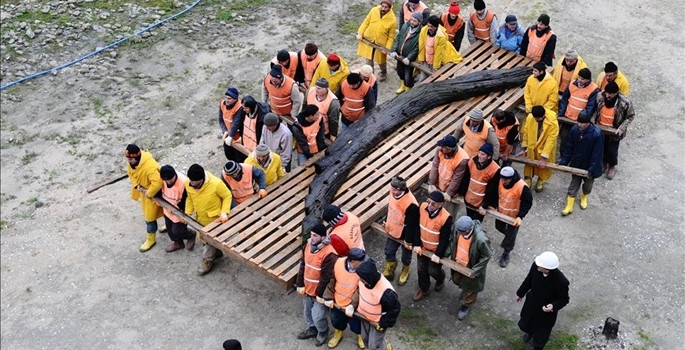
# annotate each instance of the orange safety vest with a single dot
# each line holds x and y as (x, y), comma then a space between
(565, 79)
(309, 66)
(310, 133)
(250, 133)
(451, 30)
(502, 134)
(312, 267)
(346, 283)
(578, 99)
(290, 71)
(430, 228)
(510, 199)
(481, 27)
(372, 80)
(370, 299)
(606, 116)
(323, 105)
(537, 45)
(350, 232)
(394, 223)
(280, 98)
(173, 195)
(462, 250)
(446, 167)
(242, 189)
(430, 49)
(407, 13)
(353, 101)
(228, 114)
(472, 140)
(478, 181)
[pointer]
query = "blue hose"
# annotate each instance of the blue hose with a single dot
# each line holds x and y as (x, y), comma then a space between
(114, 44)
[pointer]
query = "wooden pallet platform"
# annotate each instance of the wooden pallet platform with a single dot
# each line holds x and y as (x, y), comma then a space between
(265, 233)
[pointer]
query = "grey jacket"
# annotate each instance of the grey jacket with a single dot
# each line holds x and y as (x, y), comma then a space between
(280, 142)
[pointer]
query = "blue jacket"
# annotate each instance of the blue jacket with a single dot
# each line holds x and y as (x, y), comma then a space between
(509, 40)
(584, 149)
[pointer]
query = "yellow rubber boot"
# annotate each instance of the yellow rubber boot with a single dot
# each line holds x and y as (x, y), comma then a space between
(528, 181)
(389, 271)
(406, 88)
(360, 342)
(388, 346)
(337, 336)
(539, 186)
(583, 201)
(149, 243)
(569, 205)
(404, 276)
(402, 88)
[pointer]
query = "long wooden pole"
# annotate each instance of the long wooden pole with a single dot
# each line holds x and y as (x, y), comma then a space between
(398, 57)
(105, 183)
(557, 167)
(494, 213)
(447, 262)
(607, 130)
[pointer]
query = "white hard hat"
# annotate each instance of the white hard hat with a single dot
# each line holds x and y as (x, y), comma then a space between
(547, 260)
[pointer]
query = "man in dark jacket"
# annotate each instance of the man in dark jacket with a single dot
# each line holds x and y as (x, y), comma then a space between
(539, 41)
(614, 111)
(309, 132)
(546, 291)
(378, 303)
(253, 114)
(473, 251)
(513, 198)
(583, 149)
(407, 45)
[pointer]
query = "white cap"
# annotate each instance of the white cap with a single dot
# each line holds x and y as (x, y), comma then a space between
(547, 260)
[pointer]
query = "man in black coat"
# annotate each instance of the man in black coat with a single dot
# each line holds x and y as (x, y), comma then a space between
(546, 292)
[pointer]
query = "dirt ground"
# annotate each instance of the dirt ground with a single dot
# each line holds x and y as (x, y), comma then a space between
(71, 273)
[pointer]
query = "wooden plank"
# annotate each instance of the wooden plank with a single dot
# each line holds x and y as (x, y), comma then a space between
(106, 182)
(605, 129)
(494, 213)
(557, 167)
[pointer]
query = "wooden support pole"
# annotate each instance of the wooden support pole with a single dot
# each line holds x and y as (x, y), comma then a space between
(556, 167)
(447, 262)
(398, 57)
(494, 213)
(356, 314)
(105, 183)
(607, 130)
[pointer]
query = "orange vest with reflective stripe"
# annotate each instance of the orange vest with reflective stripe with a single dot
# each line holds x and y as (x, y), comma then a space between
(478, 181)
(537, 45)
(310, 66)
(370, 299)
(312, 267)
(280, 98)
(350, 232)
(446, 167)
(292, 68)
(310, 133)
(430, 228)
(451, 30)
(462, 250)
(173, 195)
(481, 27)
(346, 283)
(578, 99)
(394, 223)
(606, 116)
(372, 80)
(242, 189)
(323, 105)
(250, 133)
(430, 49)
(510, 199)
(228, 114)
(565, 79)
(472, 140)
(353, 101)
(407, 13)
(502, 134)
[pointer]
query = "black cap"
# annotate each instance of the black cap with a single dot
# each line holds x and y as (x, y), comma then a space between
(283, 56)
(167, 172)
(196, 172)
(448, 141)
(437, 196)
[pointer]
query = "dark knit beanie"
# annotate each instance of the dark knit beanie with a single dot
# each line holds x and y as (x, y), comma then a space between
(540, 66)
(610, 67)
(282, 56)
(132, 151)
(250, 102)
(487, 148)
(232, 344)
(232, 93)
(332, 214)
(167, 172)
(354, 78)
(357, 254)
(276, 71)
(310, 49)
(437, 196)
(271, 119)
(319, 229)
(309, 110)
(231, 167)
(399, 183)
(538, 111)
(196, 172)
(479, 5)
(544, 19)
(611, 88)
(434, 20)
(322, 82)
(585, 73)
(368, 272)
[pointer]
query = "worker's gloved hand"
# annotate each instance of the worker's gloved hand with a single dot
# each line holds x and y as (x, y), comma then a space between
(435, 258)
(522, 152)
(300, 290)
(517, 222)
(359, 37)
(482, 211)
(379, 328)
(418, 250)
(393, 54)
(328, 303)
(448, 198)
(223, 217)
(431, 189)
(406, 61)
(349, 310)
(181, 221)
(320, 300)
(262, 193)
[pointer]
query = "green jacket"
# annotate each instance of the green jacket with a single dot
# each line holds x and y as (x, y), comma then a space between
(410, 49)
(479, 256)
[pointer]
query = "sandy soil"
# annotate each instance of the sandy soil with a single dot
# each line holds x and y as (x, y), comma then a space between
(71, 273)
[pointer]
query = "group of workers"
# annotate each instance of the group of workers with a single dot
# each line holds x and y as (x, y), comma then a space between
(309, 98)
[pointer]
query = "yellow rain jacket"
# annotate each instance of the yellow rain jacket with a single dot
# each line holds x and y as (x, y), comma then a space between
(558, 68)
(378, 30)
(146, 175)
(212, 199)
(621, 81)
(543, 146)
(444, 50)
(541, 93)
(334, 80)
(273, 171)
